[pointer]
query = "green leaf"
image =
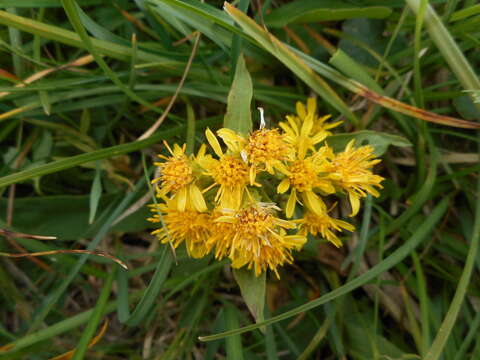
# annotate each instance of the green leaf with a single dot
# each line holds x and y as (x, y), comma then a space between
(239, 116)
(379, 141)
(301, 11)
(253, 291)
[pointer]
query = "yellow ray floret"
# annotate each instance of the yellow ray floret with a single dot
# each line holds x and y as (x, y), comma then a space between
(189, 226)
(178, 179)
(263, 149)
(230, 173)
(255, 238)
(306, 129)
(352, 173)
(323, 224)
(304, 177)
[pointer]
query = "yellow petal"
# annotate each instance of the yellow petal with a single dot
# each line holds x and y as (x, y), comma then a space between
(314, 202)
(301, 110)
(197, 198)
(181, 197)
(283, 186)
(312, 105)
(252, 174)
(292, 200)
(354, 202)
(212, 140)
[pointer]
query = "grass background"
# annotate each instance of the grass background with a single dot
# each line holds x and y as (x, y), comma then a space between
(82, 81)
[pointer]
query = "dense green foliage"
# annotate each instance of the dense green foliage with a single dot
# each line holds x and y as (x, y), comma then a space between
(78, 141)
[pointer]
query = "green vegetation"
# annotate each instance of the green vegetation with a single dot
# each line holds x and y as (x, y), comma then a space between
(89, 89)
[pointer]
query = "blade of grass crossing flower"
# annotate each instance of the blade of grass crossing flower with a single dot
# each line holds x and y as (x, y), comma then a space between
(448, 47)
(397, 256)
(95, 319)
(233, 344)
(443, 333)
(238, 116)
(290, 60)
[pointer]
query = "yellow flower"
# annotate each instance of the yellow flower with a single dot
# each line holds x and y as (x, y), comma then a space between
(229, 172)
(189, 226)
(263, 149)
(306, 129)
(177, 177)
(352, 173)
(324, 225)
(255, 238)
(304, 176)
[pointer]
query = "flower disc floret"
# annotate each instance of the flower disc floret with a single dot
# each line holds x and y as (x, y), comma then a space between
(230, 172)
(302, 175)
(257, 239)
(189, 226)
(266, 146)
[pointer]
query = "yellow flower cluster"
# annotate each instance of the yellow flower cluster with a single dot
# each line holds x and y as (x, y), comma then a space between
(229, 203)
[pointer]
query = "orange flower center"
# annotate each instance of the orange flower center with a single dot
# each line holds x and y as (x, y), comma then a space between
(176, 173)
(230, 172)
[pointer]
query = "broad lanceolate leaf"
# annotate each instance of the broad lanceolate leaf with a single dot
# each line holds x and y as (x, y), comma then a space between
(253, 291)
(301, 11)
(239, 116)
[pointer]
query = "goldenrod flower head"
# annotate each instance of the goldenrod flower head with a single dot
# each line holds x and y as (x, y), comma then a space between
(257, 239)
(177, 177)
(267, 147)
(324, 225)
(189, 226)
(305, 176)
(176, 171)
(306, 129)
(352, 173)
(229, 172)
(236, 223)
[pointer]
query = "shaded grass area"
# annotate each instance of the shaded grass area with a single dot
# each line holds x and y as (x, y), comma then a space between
(81, 82)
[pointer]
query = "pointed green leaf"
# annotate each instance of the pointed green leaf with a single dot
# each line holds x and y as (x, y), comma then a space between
(239, 116)
(253, 291)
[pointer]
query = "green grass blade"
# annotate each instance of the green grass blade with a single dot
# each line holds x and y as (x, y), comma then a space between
(390, 261)
(445, 330)
(98, 311)
(105, 153)
(151, 292)
(448, 47)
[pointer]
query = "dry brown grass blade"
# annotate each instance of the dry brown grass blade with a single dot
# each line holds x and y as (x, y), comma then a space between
(84, 60)
(13, 234)
(68, 355)
(56, 252)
